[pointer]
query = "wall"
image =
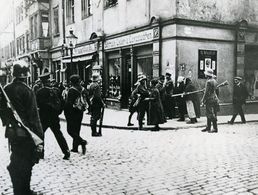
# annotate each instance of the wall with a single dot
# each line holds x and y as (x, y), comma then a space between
(218, 10)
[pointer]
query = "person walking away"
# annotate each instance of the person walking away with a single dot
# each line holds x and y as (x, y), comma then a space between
(49, 103)
(155, 113)
(240, 94)
(37, 86)
(23, 156)
(73, 111)
(169, 101)
(142, 93)
(180, 100)
(211, 101)
(162, 90)
(192, 102)
(96, 105)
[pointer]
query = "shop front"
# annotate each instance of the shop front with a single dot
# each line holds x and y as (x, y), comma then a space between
(84, 58)
(125, 57)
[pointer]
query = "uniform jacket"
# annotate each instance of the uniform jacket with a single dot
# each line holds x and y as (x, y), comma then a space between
(24, 102)
(210, 95)
(95, 94)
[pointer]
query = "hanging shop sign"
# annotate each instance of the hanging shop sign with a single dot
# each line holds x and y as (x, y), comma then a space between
(86, 49)
(207, 59)
(135, 38)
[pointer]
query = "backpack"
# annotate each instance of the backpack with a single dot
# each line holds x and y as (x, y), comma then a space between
(55, 100)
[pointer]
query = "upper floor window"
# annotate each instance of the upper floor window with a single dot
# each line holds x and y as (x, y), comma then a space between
(110, 3)
(86, 8)
(34, 26)
(19, 14)
(70, 11)
(56, 20)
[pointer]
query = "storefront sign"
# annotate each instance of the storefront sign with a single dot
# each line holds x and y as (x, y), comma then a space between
(85, 49)
(140, 37)
(207, 59)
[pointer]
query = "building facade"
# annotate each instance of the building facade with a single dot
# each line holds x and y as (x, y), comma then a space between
(121, 38)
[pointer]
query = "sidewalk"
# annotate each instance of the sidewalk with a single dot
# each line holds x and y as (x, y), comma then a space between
(118, 119)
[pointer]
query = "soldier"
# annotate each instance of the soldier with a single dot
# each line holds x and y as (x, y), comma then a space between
(169, 106)
(211, 101)
(49, 104)
(240, 94)
(180, 100)
(96, 103)
(74, 108)
(23, 156)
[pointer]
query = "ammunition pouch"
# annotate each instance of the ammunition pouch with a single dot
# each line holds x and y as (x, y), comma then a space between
(15, 132)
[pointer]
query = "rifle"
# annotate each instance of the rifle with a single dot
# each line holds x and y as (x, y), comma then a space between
(225, 83)
(36, 139)
(101, 120)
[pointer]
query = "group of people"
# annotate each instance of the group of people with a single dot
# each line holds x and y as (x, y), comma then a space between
(39, 108)
(160, 99)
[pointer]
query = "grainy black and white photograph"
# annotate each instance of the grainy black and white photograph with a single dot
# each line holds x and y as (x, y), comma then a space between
(129, 97)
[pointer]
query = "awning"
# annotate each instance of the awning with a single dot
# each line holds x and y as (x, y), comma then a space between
(77, 58)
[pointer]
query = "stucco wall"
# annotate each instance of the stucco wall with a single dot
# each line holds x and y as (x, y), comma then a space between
(188, 54)
(218, 10)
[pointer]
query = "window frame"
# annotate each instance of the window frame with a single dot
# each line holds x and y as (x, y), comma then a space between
(56, 30)
(70, 14)
(86, 8)
(110, 3)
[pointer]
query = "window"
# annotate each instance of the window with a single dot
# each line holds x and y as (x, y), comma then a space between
(110, 3)
(19, 14)
(70, 11)
(86, 8)
(114, 78)
(56, 20)
(34, 26)
(20, 45)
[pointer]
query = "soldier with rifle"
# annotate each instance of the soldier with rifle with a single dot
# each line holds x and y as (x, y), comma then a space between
(97, 105)
(18, 111)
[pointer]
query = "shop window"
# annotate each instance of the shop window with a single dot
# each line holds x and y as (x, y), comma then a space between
(110, 3)
(144, 65)
(86, 8)
(70, 11)
(114, 78)
(251, 71)
(56, 20)
(207, 59)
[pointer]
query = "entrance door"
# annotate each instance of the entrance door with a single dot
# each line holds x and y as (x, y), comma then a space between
(126, 81)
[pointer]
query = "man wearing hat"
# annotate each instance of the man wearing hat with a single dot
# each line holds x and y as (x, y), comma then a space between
(169, 107)
(49, 113)
(23, 156)
(240, 94)
(142, 93)
(211, 101)
(96, 103)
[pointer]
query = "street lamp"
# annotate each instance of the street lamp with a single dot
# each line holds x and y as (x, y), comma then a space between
(71, 41)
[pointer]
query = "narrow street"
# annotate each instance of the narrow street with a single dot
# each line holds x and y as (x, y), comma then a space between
(184, 161)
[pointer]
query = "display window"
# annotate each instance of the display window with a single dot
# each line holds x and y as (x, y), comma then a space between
(114, 72)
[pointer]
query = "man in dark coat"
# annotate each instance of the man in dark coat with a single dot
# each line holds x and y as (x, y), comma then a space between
(49, 115)
(97, 104)
(240, 94)
(23, 156)
(211, 101)
(162, 90)
(169, 106)
(192, 102)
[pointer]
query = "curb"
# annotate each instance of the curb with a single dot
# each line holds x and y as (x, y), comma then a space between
(161, 128)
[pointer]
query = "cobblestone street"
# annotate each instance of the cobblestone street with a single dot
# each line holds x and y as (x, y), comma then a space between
(185, 161)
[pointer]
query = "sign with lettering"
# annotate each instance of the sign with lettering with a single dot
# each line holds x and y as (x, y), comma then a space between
(86, 49)
(207, 59)
(135, 38)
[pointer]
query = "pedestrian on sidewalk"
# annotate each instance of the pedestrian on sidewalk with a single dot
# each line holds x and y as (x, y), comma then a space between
(50, 106)
(169, 105)
(156, 112)
(23, 156)
(192, 102)
(142, 93)
(133, 108)
(210, 99)
(97, 104)
(162, 90)
(180, 100)
(240, 94)
(73, 111)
